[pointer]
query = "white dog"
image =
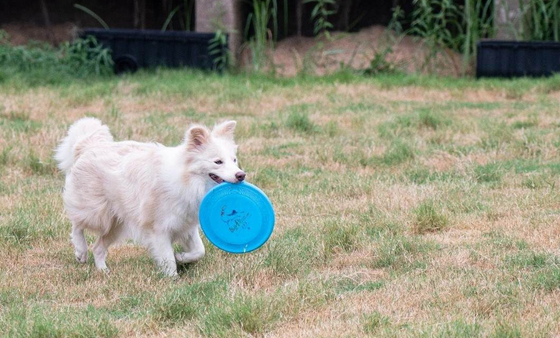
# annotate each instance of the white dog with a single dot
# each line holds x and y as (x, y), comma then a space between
(143, 191)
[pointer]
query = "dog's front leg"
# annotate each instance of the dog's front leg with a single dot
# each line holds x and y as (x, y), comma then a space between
(162, 250)
(192, 245)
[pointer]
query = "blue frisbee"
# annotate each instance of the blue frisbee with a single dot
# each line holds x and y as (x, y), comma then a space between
(236, 218)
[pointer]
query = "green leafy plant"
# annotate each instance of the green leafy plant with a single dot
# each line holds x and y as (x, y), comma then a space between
(43, 63)
(438, 23)
(217, 49)
(320, 15)
(444, 24)
(380, 63)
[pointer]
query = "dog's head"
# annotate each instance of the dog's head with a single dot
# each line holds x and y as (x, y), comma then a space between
(213, 154)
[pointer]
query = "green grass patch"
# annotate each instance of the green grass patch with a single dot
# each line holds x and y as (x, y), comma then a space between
(41, 64)
(460, 329)
(401, 252)
(497, 134)
(5, 156)
(293, 253)
(489, 173)
(547, 279)
(374, 322)
(532, 260)
(506, 330)
(349, 285)
(298, 120)
(36, 219)
(428, 118)
(187, 302)
(398, 152)
(423, 175)
(429, 217)
(40, 322)
(340, 236)
(531, 122)
(18, 122)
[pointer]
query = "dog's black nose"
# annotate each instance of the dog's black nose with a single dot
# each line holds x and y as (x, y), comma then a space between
(240, 176)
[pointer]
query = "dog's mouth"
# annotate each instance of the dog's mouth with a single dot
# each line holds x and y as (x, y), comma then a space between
(216, 178)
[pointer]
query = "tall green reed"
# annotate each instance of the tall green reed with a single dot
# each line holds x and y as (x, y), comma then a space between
(541, 19)
(264, 13)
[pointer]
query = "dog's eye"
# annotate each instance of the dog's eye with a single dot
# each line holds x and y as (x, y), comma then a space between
(234, 160)
(218, 162)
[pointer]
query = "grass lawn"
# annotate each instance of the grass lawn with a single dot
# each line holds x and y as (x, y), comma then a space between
(406, 206)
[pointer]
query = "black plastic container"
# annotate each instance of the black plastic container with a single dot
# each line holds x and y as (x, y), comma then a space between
(133, 49)
(517, 58)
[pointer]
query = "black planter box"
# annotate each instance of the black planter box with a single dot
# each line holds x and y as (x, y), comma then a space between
(132, 49)
(517, 58)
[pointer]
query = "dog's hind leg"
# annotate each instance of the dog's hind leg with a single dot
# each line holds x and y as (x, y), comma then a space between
(193, 246)
(80, 244)
(100, 249)
(102, 244)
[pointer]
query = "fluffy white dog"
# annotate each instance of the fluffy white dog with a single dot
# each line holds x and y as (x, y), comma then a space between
(143, 191)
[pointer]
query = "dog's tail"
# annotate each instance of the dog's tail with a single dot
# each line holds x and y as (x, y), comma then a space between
(82, 133)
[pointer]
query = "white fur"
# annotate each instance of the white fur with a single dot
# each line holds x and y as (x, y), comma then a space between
(142, 191)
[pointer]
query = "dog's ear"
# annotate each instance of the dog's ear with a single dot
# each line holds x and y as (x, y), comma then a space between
(225, 130)
(197, 136)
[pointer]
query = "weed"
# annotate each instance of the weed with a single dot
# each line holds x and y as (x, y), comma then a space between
(5, 156)
(379, 64)
(489, 173)
(506, 330)
(39, 322)
(547, 279)
(400, 252)
(186, 303)
(293, 253)
(331, 129)
(529, 123)
(460, 329)
(374, 322)
(340, 236)
(350, 285)
(299, 121)
(39, 167)
(429, 218)
(42, 64)
(429, 119)
(531, 260)
(19, 122)
(397, 153)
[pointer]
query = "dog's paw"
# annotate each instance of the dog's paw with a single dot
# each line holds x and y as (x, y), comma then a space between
(179, 257)
(105, 270)
(81, 257)
(188, 257)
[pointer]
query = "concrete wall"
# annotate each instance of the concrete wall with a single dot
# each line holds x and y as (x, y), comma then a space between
(212, 15)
